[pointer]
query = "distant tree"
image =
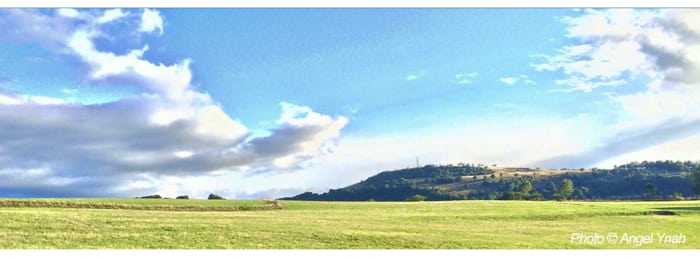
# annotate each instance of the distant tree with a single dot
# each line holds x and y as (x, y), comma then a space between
(183, 197)
(510, 196)
(694, 178)
(511, 186)
(536, 196)
(678, 196)
(215, 197)
(493, 176)
(566, 188)
(578, 194)
(155, 196)
(551, 187)
(416, 197)
(650, 190)
(558, 197)
(525, 188)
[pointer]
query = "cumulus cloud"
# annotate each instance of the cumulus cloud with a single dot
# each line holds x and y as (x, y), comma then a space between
(36, 26)
(142, 144)
(297, 123)
(508, 80)
(662, 45)
(111, 15)
(150, 21)
(68, 12)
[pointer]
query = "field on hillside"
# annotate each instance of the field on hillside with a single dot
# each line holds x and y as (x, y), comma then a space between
(303, 224)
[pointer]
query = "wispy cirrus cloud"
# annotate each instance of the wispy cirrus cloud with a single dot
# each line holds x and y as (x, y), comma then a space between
(524, 79)
(465, 78)
(415, 76)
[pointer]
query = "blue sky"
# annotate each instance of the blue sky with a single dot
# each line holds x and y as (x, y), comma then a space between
(272, 102)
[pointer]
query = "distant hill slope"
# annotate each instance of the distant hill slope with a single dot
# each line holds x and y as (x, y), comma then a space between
(636, 181)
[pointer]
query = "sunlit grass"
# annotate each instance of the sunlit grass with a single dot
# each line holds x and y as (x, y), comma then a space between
(300, 224)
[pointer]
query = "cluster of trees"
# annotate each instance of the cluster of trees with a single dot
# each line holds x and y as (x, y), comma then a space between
(182, 197)
(430, 174)
(637, 180)
(386, 192)
(523, 189)
(667, 180)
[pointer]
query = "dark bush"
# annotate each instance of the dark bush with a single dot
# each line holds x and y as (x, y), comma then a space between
(416, 197)
(183, 197)
(155, 196)
(215, 197)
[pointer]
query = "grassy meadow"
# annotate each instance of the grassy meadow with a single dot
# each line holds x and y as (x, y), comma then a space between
(203, 224)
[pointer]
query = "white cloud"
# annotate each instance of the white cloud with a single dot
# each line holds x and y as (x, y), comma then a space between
(150, 21)
(525, 79)
(581, 84)
(12, 99)
(508, 80)
(31, 25)
(68, 12)
(415, 76)
(466, 78)
(183, 154)
(171, 82)
(619, 43)
(111, 15)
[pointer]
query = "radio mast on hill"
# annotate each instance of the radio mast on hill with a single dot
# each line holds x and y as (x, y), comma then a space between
(417, 163)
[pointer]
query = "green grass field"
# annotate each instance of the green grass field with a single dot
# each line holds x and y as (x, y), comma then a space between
(299, 224)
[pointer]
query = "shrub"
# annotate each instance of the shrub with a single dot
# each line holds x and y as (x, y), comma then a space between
(155, 196)
(215, 197)
(536, 197)
(416, 197)
(183, 197)
(559, 197)
(678, 196)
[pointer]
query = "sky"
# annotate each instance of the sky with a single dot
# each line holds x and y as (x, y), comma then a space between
(251, 103)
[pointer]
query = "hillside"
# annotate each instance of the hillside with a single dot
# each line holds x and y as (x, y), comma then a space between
(635, 181)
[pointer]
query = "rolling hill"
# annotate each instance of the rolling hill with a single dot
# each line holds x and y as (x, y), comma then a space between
(657, 180)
